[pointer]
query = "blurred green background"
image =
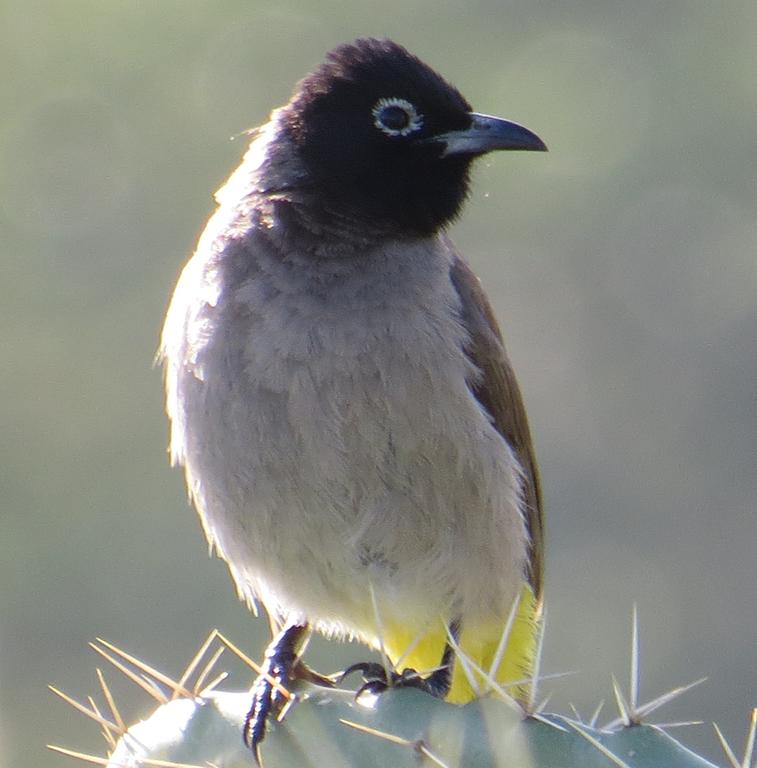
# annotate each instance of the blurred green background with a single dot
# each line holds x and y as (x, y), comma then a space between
(622, 266)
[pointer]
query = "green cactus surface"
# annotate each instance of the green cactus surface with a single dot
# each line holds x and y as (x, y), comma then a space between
(197, 725)
(401, 728)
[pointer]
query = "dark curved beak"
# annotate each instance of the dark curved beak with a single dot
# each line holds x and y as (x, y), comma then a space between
(486, 134)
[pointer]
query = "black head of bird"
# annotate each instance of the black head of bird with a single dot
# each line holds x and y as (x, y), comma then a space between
(386, 139)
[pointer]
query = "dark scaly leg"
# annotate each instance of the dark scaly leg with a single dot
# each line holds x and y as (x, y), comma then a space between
(283, 665)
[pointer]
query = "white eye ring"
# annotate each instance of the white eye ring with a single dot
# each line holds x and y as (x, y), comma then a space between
(414, 118)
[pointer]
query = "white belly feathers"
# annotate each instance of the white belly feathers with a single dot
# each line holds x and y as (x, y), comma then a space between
(349, 454)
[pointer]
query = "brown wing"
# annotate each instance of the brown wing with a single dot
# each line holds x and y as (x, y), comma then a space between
(498, 391)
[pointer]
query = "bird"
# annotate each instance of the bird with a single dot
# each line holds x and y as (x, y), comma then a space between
(349, 424)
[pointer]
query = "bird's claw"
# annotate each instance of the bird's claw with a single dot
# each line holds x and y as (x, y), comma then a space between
(268, 700)
(377, 679)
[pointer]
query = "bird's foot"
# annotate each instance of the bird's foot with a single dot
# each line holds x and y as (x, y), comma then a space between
(271, 694)
(377, 679)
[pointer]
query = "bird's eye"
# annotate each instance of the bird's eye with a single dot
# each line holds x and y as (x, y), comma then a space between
(396, 117)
